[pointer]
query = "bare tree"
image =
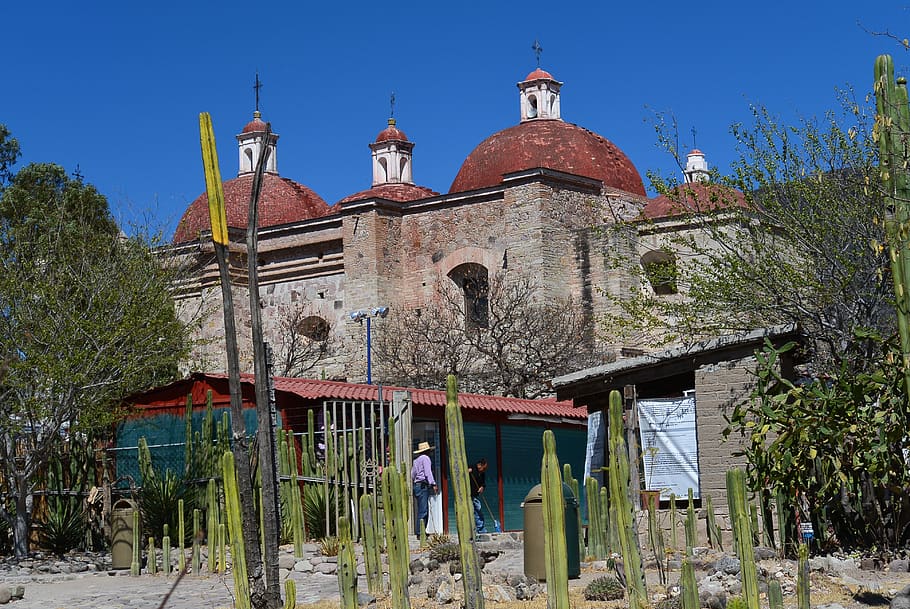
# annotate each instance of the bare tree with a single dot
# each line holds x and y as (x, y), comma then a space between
(497, 334)
(304, 340)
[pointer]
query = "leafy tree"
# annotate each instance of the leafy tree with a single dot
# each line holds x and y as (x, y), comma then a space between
(512, 347)
(85, 318)
(836, 449)
(792, 236)
(9, 153)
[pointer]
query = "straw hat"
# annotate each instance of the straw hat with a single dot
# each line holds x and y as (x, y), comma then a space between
(422, 448)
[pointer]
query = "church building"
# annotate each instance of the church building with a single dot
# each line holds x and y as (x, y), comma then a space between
(533, 198)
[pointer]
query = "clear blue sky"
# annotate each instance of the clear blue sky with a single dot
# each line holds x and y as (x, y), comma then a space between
(116, 87)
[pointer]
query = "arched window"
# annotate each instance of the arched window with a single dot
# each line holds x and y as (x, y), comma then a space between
(660, 269)
(474, 282)
(532, 106)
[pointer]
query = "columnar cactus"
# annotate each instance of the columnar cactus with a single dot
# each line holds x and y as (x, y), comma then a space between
(691, 534)
(166, 554)
(347, 566)
(152, 558)
(396, 531)
(295, 507)
(371, 555)
(742, 534)
(775, 595)
(621, 506)
(290, 594)
(689, 586)
(892, 124)
(197, 534)
(554, 526)
(714, 534)
(596, 521)
(464, 508)
(802, 578)
(573, 484)
(181, 558)
(135, 565)
(674, 537)
(211, 517)
(235, 524)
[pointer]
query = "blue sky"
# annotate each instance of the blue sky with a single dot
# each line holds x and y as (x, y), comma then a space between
(116, 87)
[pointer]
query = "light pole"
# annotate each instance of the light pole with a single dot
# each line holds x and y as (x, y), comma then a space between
(358, 316)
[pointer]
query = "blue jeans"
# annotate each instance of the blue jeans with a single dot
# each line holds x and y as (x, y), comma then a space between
(478, 515)
(422, 497)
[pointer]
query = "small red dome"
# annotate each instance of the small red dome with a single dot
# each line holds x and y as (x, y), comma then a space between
(401, 193)
(281, 201)
(256, 125)
(696, 197)
(539, 74)
(391, 133)
(552, 144)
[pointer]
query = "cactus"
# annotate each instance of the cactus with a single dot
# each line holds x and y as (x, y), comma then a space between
(554, 526)
(135, 565)
(396, 538)
(181, 557)
(573, 484)
(464, 508)
(802, 577)
(737, 602)
(674, 537)
(715, 538)
(290, 594)
(742, 529)
(753, 518)
(152, 558)
(347, 566)
(211, 515)
(604, 588)
(656, 541)
(197, 535)
(295, 507)
(691, 535)
(371, 554)
(892, 124)
(689, 586)
(222, 548)
(597, 542)
(775, 595)
(166, 555)
(445, 552)
(234, 518)
(621, 506)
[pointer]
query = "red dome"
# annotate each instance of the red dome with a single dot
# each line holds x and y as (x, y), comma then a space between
(552, 144)
(539, 74)
(281, 201)
(256, 125)
(694, 198)
(391, 133)
(392, 192)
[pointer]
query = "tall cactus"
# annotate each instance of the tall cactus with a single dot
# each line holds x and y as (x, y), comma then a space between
(802, 578)
(742, 534)
(347, 566)
(621, 506)
(674, 534)
(211, 517)
(892, 124)
(371, 554)
(691, 533)
(290, 594)
(689, 585)
(135, 565)
(464, 508)
(775, 595)
(197, 535)
(554, 526)
(573, 484)
(181, 557)
(396, 531)
(596, 529)
(235, 524)
(715, 539)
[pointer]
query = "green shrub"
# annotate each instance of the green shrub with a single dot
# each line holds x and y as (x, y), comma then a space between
(604, 588)
(329, 546)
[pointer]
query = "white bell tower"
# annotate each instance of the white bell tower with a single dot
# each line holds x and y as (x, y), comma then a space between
(539, 94)
(250, 142)
(392, 157)
(696, 167)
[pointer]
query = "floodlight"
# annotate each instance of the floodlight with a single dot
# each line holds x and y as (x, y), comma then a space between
(379, 311)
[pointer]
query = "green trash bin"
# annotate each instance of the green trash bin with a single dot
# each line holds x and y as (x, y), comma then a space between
(122, 534)
(534, 565)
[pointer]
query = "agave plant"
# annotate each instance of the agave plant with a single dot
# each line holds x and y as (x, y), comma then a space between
(158, 501)
(64, 528)
(315, 499)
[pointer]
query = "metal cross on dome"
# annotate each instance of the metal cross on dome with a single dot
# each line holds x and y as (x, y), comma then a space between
(392, 104)
(256, 86)
(537, 50)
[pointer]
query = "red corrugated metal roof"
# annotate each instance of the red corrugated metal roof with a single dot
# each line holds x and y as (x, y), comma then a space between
(336, 390)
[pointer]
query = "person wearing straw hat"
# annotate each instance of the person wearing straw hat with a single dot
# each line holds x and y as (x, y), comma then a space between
(424, 483)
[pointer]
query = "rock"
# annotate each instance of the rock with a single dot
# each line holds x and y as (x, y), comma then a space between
(715, 602)
(497, 594)
(869, 564)
(902, 599)
(432, 587)
(432, 564)
(18, 591)
(415, 580)
(763, 553)
(326, 568)
(286, 561)
(728, 564)
(364, 599)
(303, 566)
(417, 566)
(5, 594)
(523, 592)
(900, 565)
(445, 593)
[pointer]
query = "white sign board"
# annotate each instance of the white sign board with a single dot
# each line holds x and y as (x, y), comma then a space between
(668, 445)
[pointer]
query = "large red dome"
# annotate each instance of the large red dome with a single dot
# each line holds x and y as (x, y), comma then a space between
(281, 201)
(552, 144)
